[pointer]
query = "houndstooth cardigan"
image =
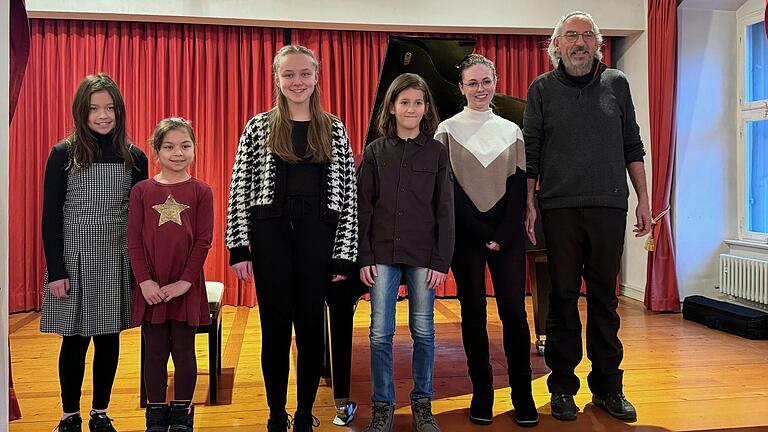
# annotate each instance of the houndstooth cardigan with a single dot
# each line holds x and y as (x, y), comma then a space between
(252, 189)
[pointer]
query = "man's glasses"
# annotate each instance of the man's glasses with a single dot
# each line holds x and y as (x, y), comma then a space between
(572, 36)
(474, 85)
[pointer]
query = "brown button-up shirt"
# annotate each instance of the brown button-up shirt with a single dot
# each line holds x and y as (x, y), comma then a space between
(405, 204)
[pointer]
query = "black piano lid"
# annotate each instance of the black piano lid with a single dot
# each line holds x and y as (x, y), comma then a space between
(435, 59)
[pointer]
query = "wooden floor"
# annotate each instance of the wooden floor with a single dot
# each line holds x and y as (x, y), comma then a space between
(679, 375)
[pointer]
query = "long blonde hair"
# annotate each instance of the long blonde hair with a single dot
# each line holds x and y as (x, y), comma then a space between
(280, 127)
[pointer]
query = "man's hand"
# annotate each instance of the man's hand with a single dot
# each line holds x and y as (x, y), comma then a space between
(530, 222)
(644, 220)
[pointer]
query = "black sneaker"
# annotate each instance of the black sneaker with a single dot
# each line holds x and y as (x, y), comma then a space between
(525, 411)
(99, 422)
(73, 423)
(617, 405)
(278, 422)
(481, 409)
(563, 406)
(304, 421)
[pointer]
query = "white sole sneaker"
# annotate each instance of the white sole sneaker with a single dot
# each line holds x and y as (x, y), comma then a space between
(351, 411)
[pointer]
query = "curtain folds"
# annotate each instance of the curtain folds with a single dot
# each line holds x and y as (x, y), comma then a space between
(661, 293)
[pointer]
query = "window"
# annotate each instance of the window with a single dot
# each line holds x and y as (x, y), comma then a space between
(753, 127)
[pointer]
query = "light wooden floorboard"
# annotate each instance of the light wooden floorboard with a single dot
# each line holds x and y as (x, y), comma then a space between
(679, 375)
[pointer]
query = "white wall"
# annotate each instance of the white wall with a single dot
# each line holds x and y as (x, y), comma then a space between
(482, 16)
(704, 192)
(705, 189)
(4, 83)
(632, 58)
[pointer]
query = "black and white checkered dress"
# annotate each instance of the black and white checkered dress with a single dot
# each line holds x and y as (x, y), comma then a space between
(95, 255)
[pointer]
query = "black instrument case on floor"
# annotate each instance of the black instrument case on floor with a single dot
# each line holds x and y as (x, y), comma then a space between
(728, 317)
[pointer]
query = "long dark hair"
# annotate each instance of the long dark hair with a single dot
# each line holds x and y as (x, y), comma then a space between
(280, 128)
(386, 121)
(83, 144)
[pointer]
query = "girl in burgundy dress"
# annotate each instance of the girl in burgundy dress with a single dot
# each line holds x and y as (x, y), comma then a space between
(170, 227)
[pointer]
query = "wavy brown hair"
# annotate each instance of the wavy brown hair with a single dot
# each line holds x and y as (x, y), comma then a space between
(83, 144)
(386, 122)
(280, 127)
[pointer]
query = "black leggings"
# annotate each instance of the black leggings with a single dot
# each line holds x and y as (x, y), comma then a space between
(161, 340)
(72, 369)
(291, 269)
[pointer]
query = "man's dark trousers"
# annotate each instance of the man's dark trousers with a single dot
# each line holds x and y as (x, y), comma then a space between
(584, 242)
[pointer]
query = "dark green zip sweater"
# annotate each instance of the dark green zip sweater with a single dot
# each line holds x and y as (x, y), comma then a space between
(578, 141)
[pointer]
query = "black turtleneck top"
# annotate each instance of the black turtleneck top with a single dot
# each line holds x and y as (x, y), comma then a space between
(55, 194)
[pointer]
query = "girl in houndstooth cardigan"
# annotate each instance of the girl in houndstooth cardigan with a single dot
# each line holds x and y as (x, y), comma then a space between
(292, 226)
(87, 294)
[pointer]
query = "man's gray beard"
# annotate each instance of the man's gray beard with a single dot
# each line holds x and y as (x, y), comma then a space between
(578, 71)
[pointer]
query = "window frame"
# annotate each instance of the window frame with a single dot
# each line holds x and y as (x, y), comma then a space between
(746, 112)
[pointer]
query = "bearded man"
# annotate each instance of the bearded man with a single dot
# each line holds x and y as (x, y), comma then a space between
(581, 138)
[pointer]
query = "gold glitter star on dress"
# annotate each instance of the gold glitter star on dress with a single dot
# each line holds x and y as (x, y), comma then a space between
(170, 211)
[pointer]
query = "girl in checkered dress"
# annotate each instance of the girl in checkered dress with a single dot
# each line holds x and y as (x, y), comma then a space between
(87, 293)
(170, 227)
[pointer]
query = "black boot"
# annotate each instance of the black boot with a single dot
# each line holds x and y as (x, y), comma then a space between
(278, 422)
(522, 401)
(481, 407)
(157, 417)
(73, 423)
(181, 417)
(304, 421)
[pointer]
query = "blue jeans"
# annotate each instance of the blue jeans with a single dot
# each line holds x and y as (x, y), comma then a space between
(421, 320)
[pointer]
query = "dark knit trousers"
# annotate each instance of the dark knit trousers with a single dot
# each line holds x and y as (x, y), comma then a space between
(588, 243)
(507, 267)
(72, 369)
(291, 266)
(162, 340)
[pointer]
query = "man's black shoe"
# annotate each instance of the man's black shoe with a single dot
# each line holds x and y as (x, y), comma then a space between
(617, 405)
(563, 406)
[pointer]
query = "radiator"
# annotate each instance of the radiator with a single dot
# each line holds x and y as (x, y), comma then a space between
(744, 278)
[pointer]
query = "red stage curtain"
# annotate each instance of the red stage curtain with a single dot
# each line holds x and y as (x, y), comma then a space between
(19, 42)
(661, 281)
(351, 62)
(218, 77)
(215, 76)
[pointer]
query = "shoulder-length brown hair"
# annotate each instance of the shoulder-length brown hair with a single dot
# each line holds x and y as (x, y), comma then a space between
(386, 122)
(280, 127)
(83, 144)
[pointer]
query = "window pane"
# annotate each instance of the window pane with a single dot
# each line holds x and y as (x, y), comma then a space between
(757, 176)
(757, 63)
